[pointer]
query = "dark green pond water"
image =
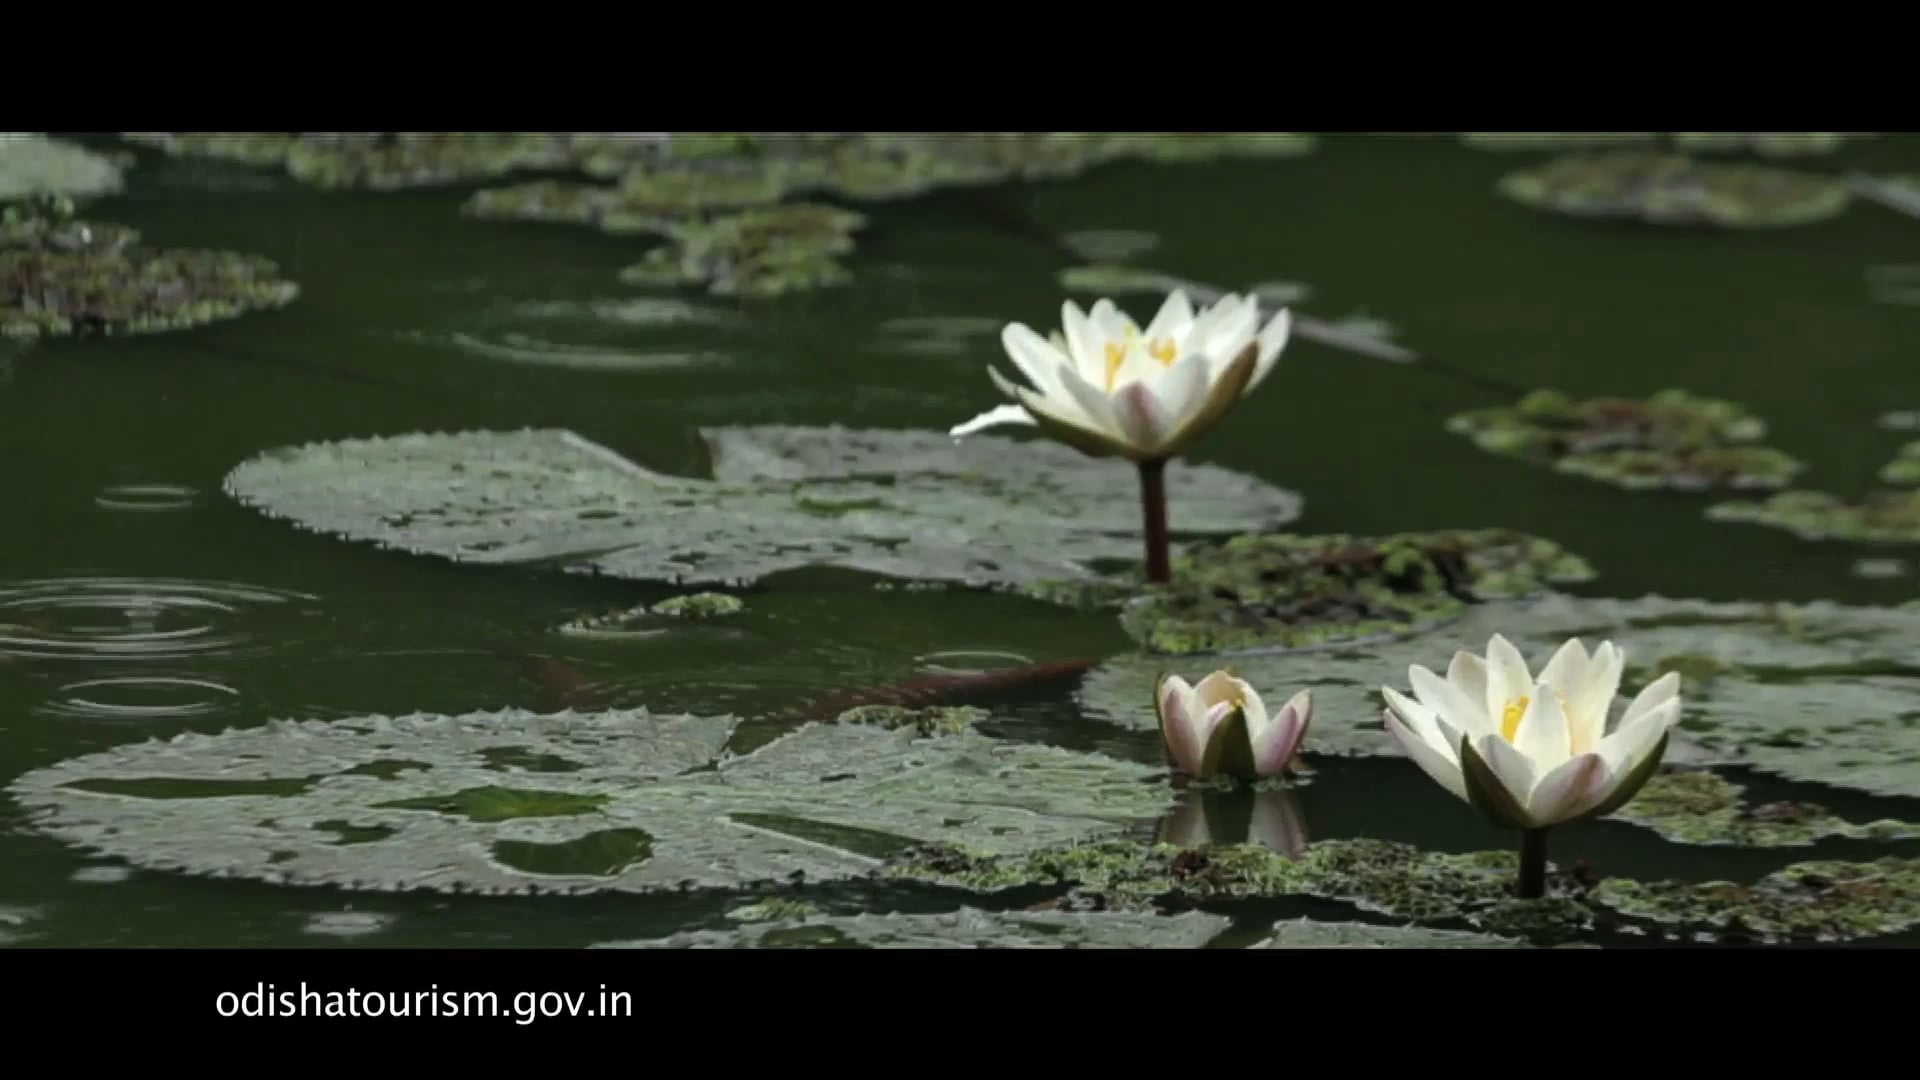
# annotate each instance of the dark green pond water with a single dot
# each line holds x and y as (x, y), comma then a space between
(171, 608)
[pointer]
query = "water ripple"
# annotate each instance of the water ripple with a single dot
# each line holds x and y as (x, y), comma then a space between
(135, 697)
(146, 498)
(128, 618)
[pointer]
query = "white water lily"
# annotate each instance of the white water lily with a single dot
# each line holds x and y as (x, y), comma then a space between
(1534, 753)
(1108, 388)
(1221, 727)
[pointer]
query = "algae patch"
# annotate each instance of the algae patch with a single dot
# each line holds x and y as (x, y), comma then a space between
(1811, 901)
(1904, 469)
(32, 165)
(1879, 517)
(62, 276)
(659, 802)
(1661, 188)
(1706, 808)
(1672, 440)
(904, 504)
(1282, 591)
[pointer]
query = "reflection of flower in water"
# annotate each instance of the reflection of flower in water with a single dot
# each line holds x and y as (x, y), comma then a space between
(1239, 815)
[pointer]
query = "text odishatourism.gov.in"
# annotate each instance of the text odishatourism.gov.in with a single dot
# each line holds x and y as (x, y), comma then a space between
(522, 1007)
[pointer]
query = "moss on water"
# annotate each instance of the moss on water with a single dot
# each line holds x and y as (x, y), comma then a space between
(756, 253)
(1278, 590)
(1707, 809)
(1883, 517)
(938, 720)
(1673, 189)
(1672, 440)
(705, 605)
(63, 276)
(1813, 901)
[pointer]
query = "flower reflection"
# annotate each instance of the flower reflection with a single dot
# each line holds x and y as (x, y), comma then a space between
(1239, 815)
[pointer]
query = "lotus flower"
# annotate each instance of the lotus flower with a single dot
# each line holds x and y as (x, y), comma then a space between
(1221, 727)
(1111, 389)
(1534, 753)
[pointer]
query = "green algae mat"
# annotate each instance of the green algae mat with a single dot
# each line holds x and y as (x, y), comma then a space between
(519, 538)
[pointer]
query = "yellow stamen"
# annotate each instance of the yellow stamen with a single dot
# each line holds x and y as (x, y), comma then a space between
(1510, 717)
(1116, 355)
(1163, 350)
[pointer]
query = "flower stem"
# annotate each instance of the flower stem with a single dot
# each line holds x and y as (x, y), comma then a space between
(1153, 506)
(1533, 864)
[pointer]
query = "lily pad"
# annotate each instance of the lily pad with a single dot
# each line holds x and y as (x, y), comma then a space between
(379, 160)
(1280, 591)
(1818, 692)
(1767, 143)
(756, 253)
(62, 276)
(654, 804)
(1307, 934)
(1673, 189)
(906, 504)
(1879, 517)
(1705, 808)
(1672, 440)
(1905, 467)
(967, 928)
(1812, 901)
(31, 164)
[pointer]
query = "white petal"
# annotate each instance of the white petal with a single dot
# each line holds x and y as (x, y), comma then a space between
(1567, 671)
(1094, 406)
(1036, 357)
(1182, 389)
(1507, 676)
(1469, 673)
(1143, 421)
(1512, 768)
(1253, 708)
(1217, 687)
(1419, 719)
(1173, 320)
(1567, 790)
(1657, 693)
(1275, 743)
(1085, 344)
(1446, 700)
(1272, 338)
(1624, 748)
(994, 417)
(1542, 734)
(1443, 768)
(1602, 683)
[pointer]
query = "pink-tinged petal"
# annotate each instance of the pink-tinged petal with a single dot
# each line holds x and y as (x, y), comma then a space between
(1173, 319)
(1507, 677)
(1657, 693)
(1272, 338)
(1253, 705)
(1512, 768)
(1446, 700)
(1573, 786)
(1143, 421)
(994, 417)
(1277, 823)
(1542, 734)
(1275, 744)
(1179, 715)
(1442, 768)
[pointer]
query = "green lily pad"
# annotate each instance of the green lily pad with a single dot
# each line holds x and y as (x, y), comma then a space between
(967, 928)
(1673, 189)
(1672, 440)
(905, 504)
(756, 253)
(1905, 466)
(1879, 517)
(1819, 692)
(382, 160)
(655, 805)
(1812, 901)
(1307, 934)
(32, 164)
(1706, 808)
(63, 276)
(1281, 591)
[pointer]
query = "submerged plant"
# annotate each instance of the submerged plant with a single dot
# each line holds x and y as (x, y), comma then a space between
(1221, 727)
(1106, 388)
(1532, 754)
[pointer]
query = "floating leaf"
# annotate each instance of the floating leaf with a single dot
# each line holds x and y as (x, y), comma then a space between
(898, 503)
(1281, 591)
(389, 160)
(1671, 440)
(1812, 901)
(1706, 808)
(32, 164)
(652, 805)
(1817, 692)
(61, 276)
(1673, 189)
(1306, 934)
(967, 928)
(757, 253)
(1905, 466)
(1879, 517)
